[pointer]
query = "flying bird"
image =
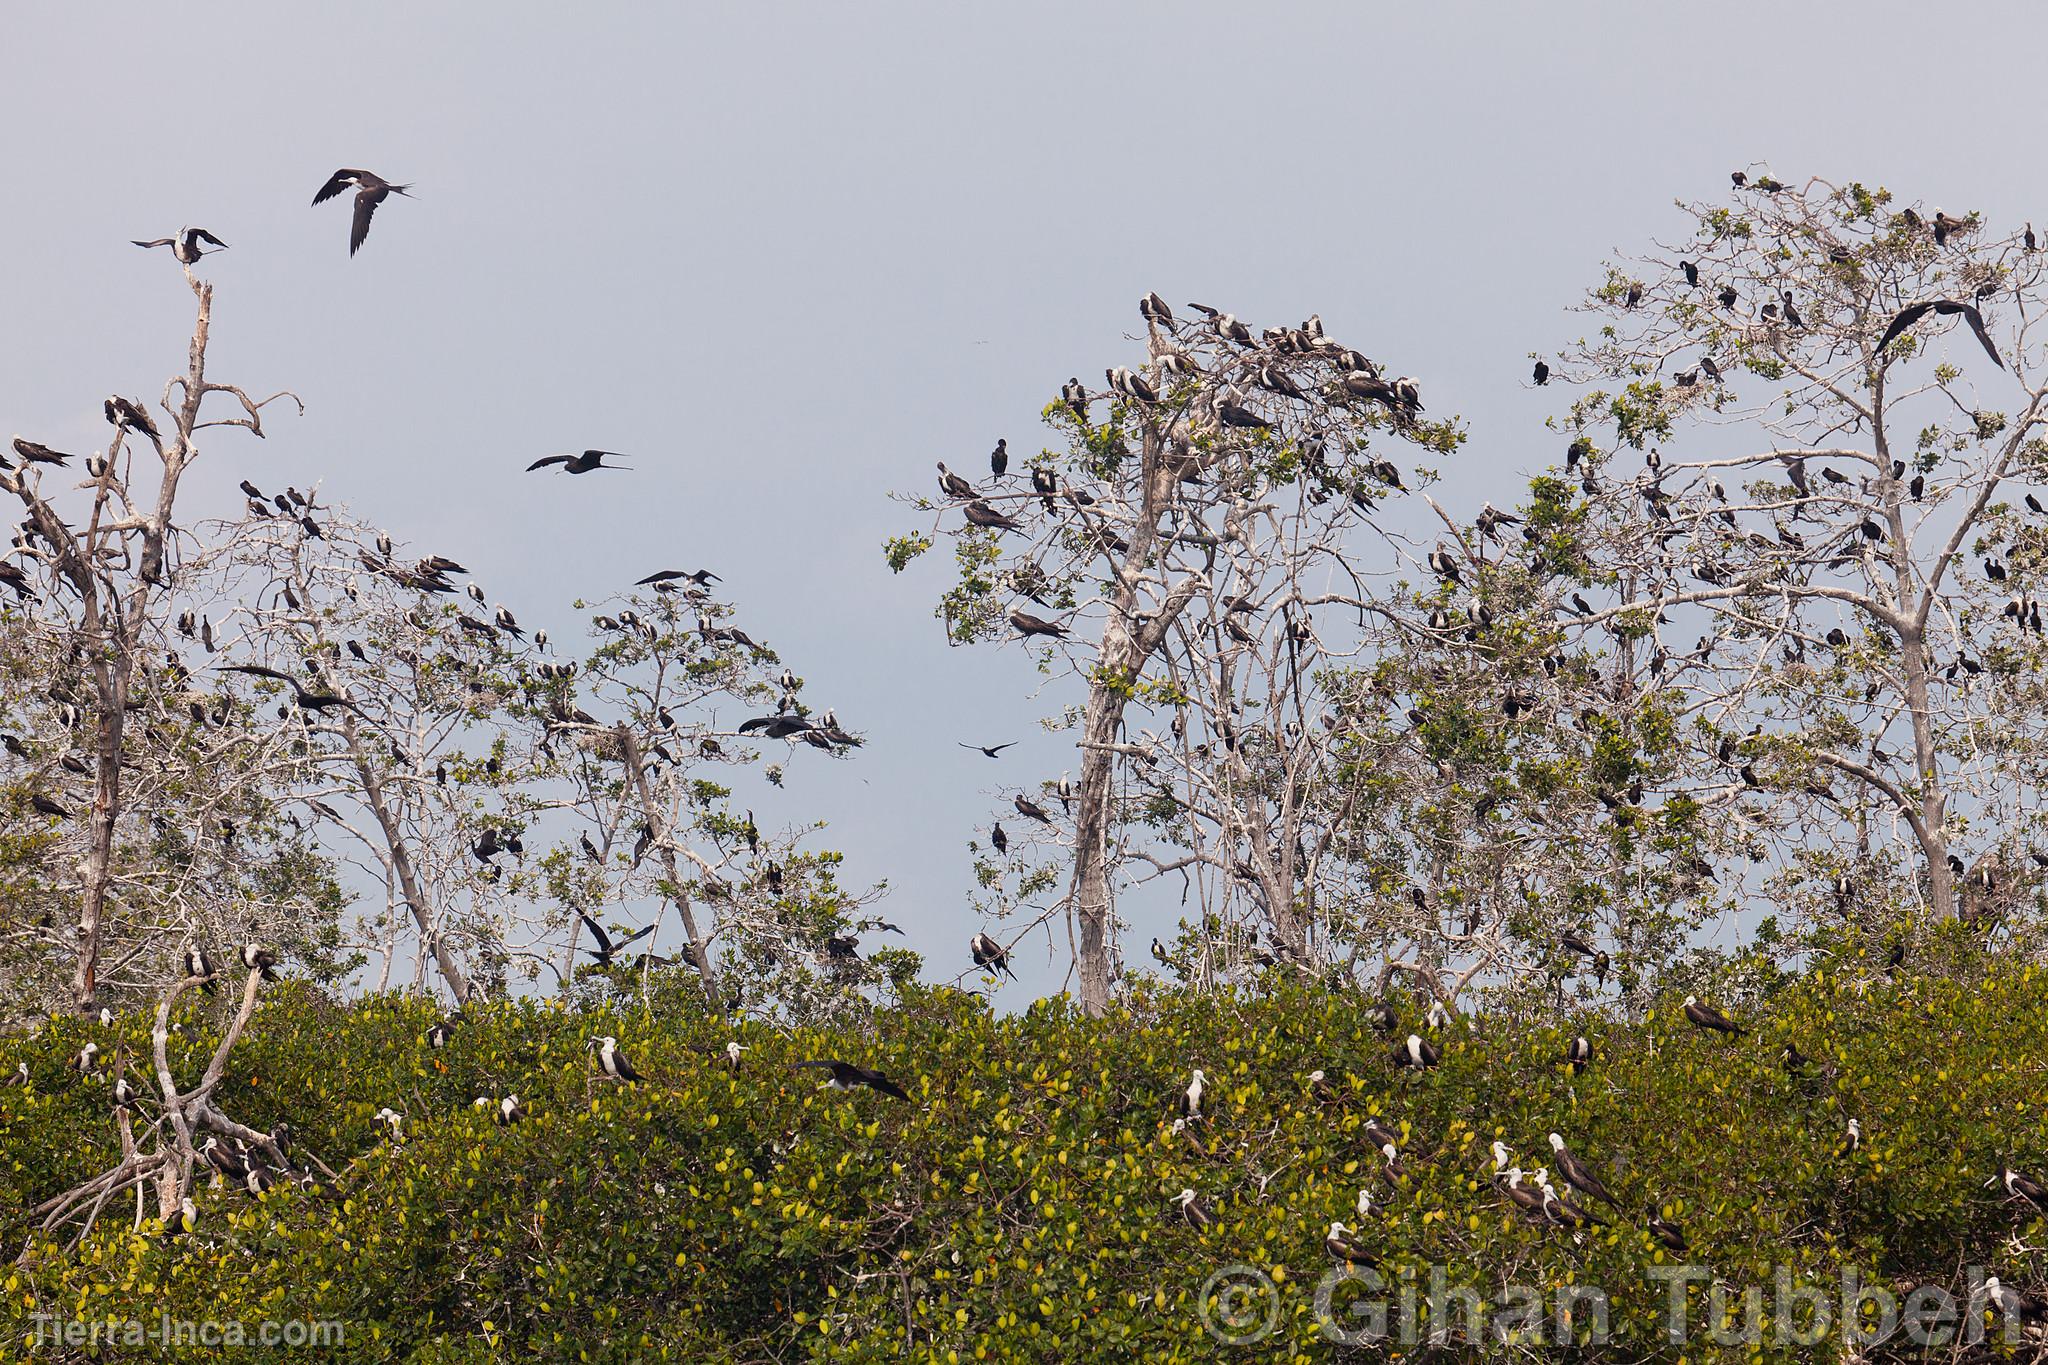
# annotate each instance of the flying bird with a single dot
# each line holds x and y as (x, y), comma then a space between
(846, 1076)
(370, 192)
(311, 701)
(1913, 312)
(606, 945)
(580, 464)
(992, 750)
(185, 247)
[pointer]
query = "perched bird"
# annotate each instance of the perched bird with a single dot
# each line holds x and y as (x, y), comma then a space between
(612, 1061)
(2014, 1304)
(370, 192)
(1342, 1247)
(1417, 1053)
(2016, 1186)
(952, 484)
(258, 958)
(1667, 1232)
(128, 414)
(846, 1076)
(702, 578)
(1030, 810)
(998, 838)
(1707, 1017)
(439, 1034)
(1152, 308)
(35, 452)
(1192, 1211)
(989, 953)
(1028, 625)
(199, 967)
(979, 513)
(999, 458)
(1541, 374)
(1578, 1175)
(183, 1221)
(394, 1125)
(1191, 1098)
(185, 247)
(1579, 1054)
(580, 464)
(1852, 1137)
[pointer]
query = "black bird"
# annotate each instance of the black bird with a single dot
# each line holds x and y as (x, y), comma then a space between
(1417, 1053)
(1152, 308)
(612, 1061)
(311, 701)
(185, 246)
(370, 192)
(998, 838)
(606, 945)
(952, 484)
(991, 750)
(1075, 396)
(1667, 1232)
(127, 413)
(1578, 1175)
(845, 1076)
(258, 958)
(37, 453)
(1579, 1054)
(1692, 273)
(1031, 810)
(439, 1034)
(1727, 296)
(43, 805)
(1028, 625)
(199, 967)
(989, 953)
(1913, 312)
(580, 464)
(980, 514)
(183, 1222)
(1192, 1211)
(1541, 373)
(1707, 1017)
(999, 458)
(777, 727)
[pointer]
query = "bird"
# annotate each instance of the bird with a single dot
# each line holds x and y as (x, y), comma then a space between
(128, 414)
(394, 1124)
(439, 1034)
(185, 1220)
(999, 458)
(612, 1061)
(979, 513)
(1030, 810)
(1339, 1244)
(1579, 1054)
(1152, 308)
(2015, 1304)
(1028, 625)
(1159, 951)
(43, 805)
(1667, 1232)
(185, 247)
(199, 967)
(1556, 1208)
(846, 1076)
(124, 1093)
(370, 192)
(702, 578)
(1541, 374)
(310, 701)
(1852, 1137)
(992, 750)
(607, 947)
(1191, 1098)
(1417, 1053)
(505, 1112)
(1192, 1211)
(998, 838)
(989, 953)
(1578, 1175)
(35, 452)
(580, 464)
(260, 959)
(1913, 312)
(1707, 1017)
(952, 484)
(2015, 1185)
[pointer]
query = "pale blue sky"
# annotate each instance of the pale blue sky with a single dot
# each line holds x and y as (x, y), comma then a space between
(787, 256)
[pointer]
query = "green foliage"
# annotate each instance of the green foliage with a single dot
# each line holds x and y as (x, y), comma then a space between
(1020, 1206)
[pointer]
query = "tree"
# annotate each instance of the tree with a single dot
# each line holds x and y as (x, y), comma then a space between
(1222, 488)
(1851, 540)
(95, 581)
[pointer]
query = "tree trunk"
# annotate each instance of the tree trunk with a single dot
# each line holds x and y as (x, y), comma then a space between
(401, 863)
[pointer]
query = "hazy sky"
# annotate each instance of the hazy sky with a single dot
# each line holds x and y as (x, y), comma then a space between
(789, 256)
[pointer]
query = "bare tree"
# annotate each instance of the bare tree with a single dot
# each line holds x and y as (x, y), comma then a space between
(100, 578)
(1802, 441)
(1221, 488)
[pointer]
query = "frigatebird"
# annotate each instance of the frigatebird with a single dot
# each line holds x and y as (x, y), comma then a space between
(845, 1076)
(370, 192)
(1707, 1017)
(612, 1061)
(606, 944)
(35, 452)
(703, 578)
(311, 701)
(1913, 312)
(1029, 625)
(992, 750)
(1578, 1175)
(260, 959)
(989, 953)
(580, 464)
(185, 246)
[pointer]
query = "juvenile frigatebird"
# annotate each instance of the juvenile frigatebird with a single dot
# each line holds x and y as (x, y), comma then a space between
(185, 246)
(370, 192)
(846, 1076)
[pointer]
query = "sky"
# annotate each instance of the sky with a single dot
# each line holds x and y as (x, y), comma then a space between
(788, 256)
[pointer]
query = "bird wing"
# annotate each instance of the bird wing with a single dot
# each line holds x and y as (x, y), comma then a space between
(366, 208)
(1976, 321)
(161, 241)
(639, 933)
(548, 460)
(336, 183)
(605, 946)
(665, 576)
(1906, 317)
(203, 235)
(875, 1080)
(259, 671)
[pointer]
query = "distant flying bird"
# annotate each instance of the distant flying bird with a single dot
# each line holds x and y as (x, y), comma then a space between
(370, 192)
(702, 578)
(606, 945)
(991, 750)
(1913, 312)
(846, 1076)
(580, 464)
(185, 246)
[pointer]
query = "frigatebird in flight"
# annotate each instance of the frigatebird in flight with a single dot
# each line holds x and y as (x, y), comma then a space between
(310, 701)
(579, 464)
(991, 750)
(1913, 312)
(185, 247)
(606, 944)
(370, 192)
